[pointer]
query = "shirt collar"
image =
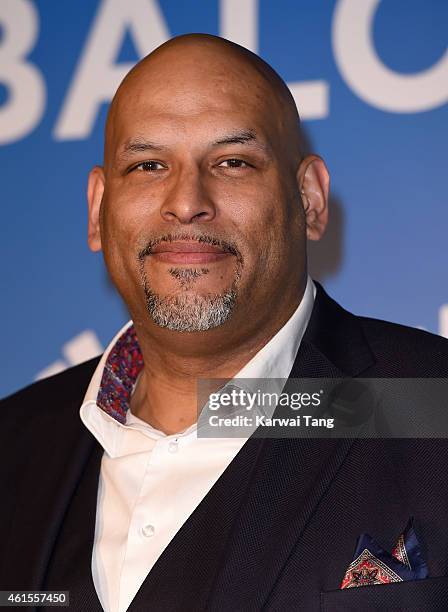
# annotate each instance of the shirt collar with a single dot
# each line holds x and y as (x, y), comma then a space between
(113, 382)
(123, 365)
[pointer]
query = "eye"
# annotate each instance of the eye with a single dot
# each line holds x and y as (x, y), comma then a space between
(234, 163)
(149, 166)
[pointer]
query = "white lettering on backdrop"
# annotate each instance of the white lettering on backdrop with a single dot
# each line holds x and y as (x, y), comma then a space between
(25, 104)
(369, 78)
(97, 74)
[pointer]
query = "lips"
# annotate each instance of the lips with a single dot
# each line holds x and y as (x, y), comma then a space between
(186, 247)
(191, 252)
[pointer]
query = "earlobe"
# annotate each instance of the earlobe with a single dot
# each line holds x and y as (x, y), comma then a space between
(314, 183)
(95, 191)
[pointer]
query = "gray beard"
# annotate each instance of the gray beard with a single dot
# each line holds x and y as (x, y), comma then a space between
(190, 313)
(187, 312)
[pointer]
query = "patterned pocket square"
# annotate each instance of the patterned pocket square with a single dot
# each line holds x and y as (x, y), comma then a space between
(373, 565)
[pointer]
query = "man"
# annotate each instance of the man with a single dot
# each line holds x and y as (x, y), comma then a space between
(202, 210)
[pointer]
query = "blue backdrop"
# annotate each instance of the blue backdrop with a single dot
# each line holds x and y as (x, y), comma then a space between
(371, 81)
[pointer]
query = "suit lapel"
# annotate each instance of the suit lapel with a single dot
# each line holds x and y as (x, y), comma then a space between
(335, 340)
(70, 563)
(183, 576)
(292, 477)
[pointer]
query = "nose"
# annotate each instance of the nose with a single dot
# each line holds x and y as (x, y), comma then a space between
(187, 200)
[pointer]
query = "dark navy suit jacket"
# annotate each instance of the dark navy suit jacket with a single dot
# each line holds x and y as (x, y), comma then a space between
(277, 530)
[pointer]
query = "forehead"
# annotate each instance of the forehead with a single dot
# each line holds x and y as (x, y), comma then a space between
(175, 104)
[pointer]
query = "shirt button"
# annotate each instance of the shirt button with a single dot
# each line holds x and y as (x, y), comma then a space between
(148, 530)
(173, 446)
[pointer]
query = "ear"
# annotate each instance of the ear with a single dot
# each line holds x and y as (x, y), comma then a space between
(314, 184)
(95, 191)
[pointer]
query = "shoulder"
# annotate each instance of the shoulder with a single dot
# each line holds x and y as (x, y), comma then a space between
(50, 393)
(364, 345)
(405, 351)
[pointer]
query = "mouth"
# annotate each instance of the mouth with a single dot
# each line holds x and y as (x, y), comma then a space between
(191, 252)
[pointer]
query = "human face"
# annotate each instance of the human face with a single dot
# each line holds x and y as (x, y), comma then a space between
(196, 168)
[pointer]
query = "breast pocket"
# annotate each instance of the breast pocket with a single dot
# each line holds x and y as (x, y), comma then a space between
(426, 595)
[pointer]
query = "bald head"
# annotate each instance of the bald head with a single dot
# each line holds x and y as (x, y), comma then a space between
(198, 65)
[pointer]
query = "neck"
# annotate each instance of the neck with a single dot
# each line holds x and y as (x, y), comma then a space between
(166, 394)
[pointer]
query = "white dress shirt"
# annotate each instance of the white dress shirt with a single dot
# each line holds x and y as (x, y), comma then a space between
(150, 482)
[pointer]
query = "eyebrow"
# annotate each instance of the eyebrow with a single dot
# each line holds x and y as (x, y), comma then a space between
(240, 137)
(141, 145)
(244, 137)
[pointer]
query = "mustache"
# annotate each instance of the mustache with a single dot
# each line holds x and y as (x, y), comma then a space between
(226, 246)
